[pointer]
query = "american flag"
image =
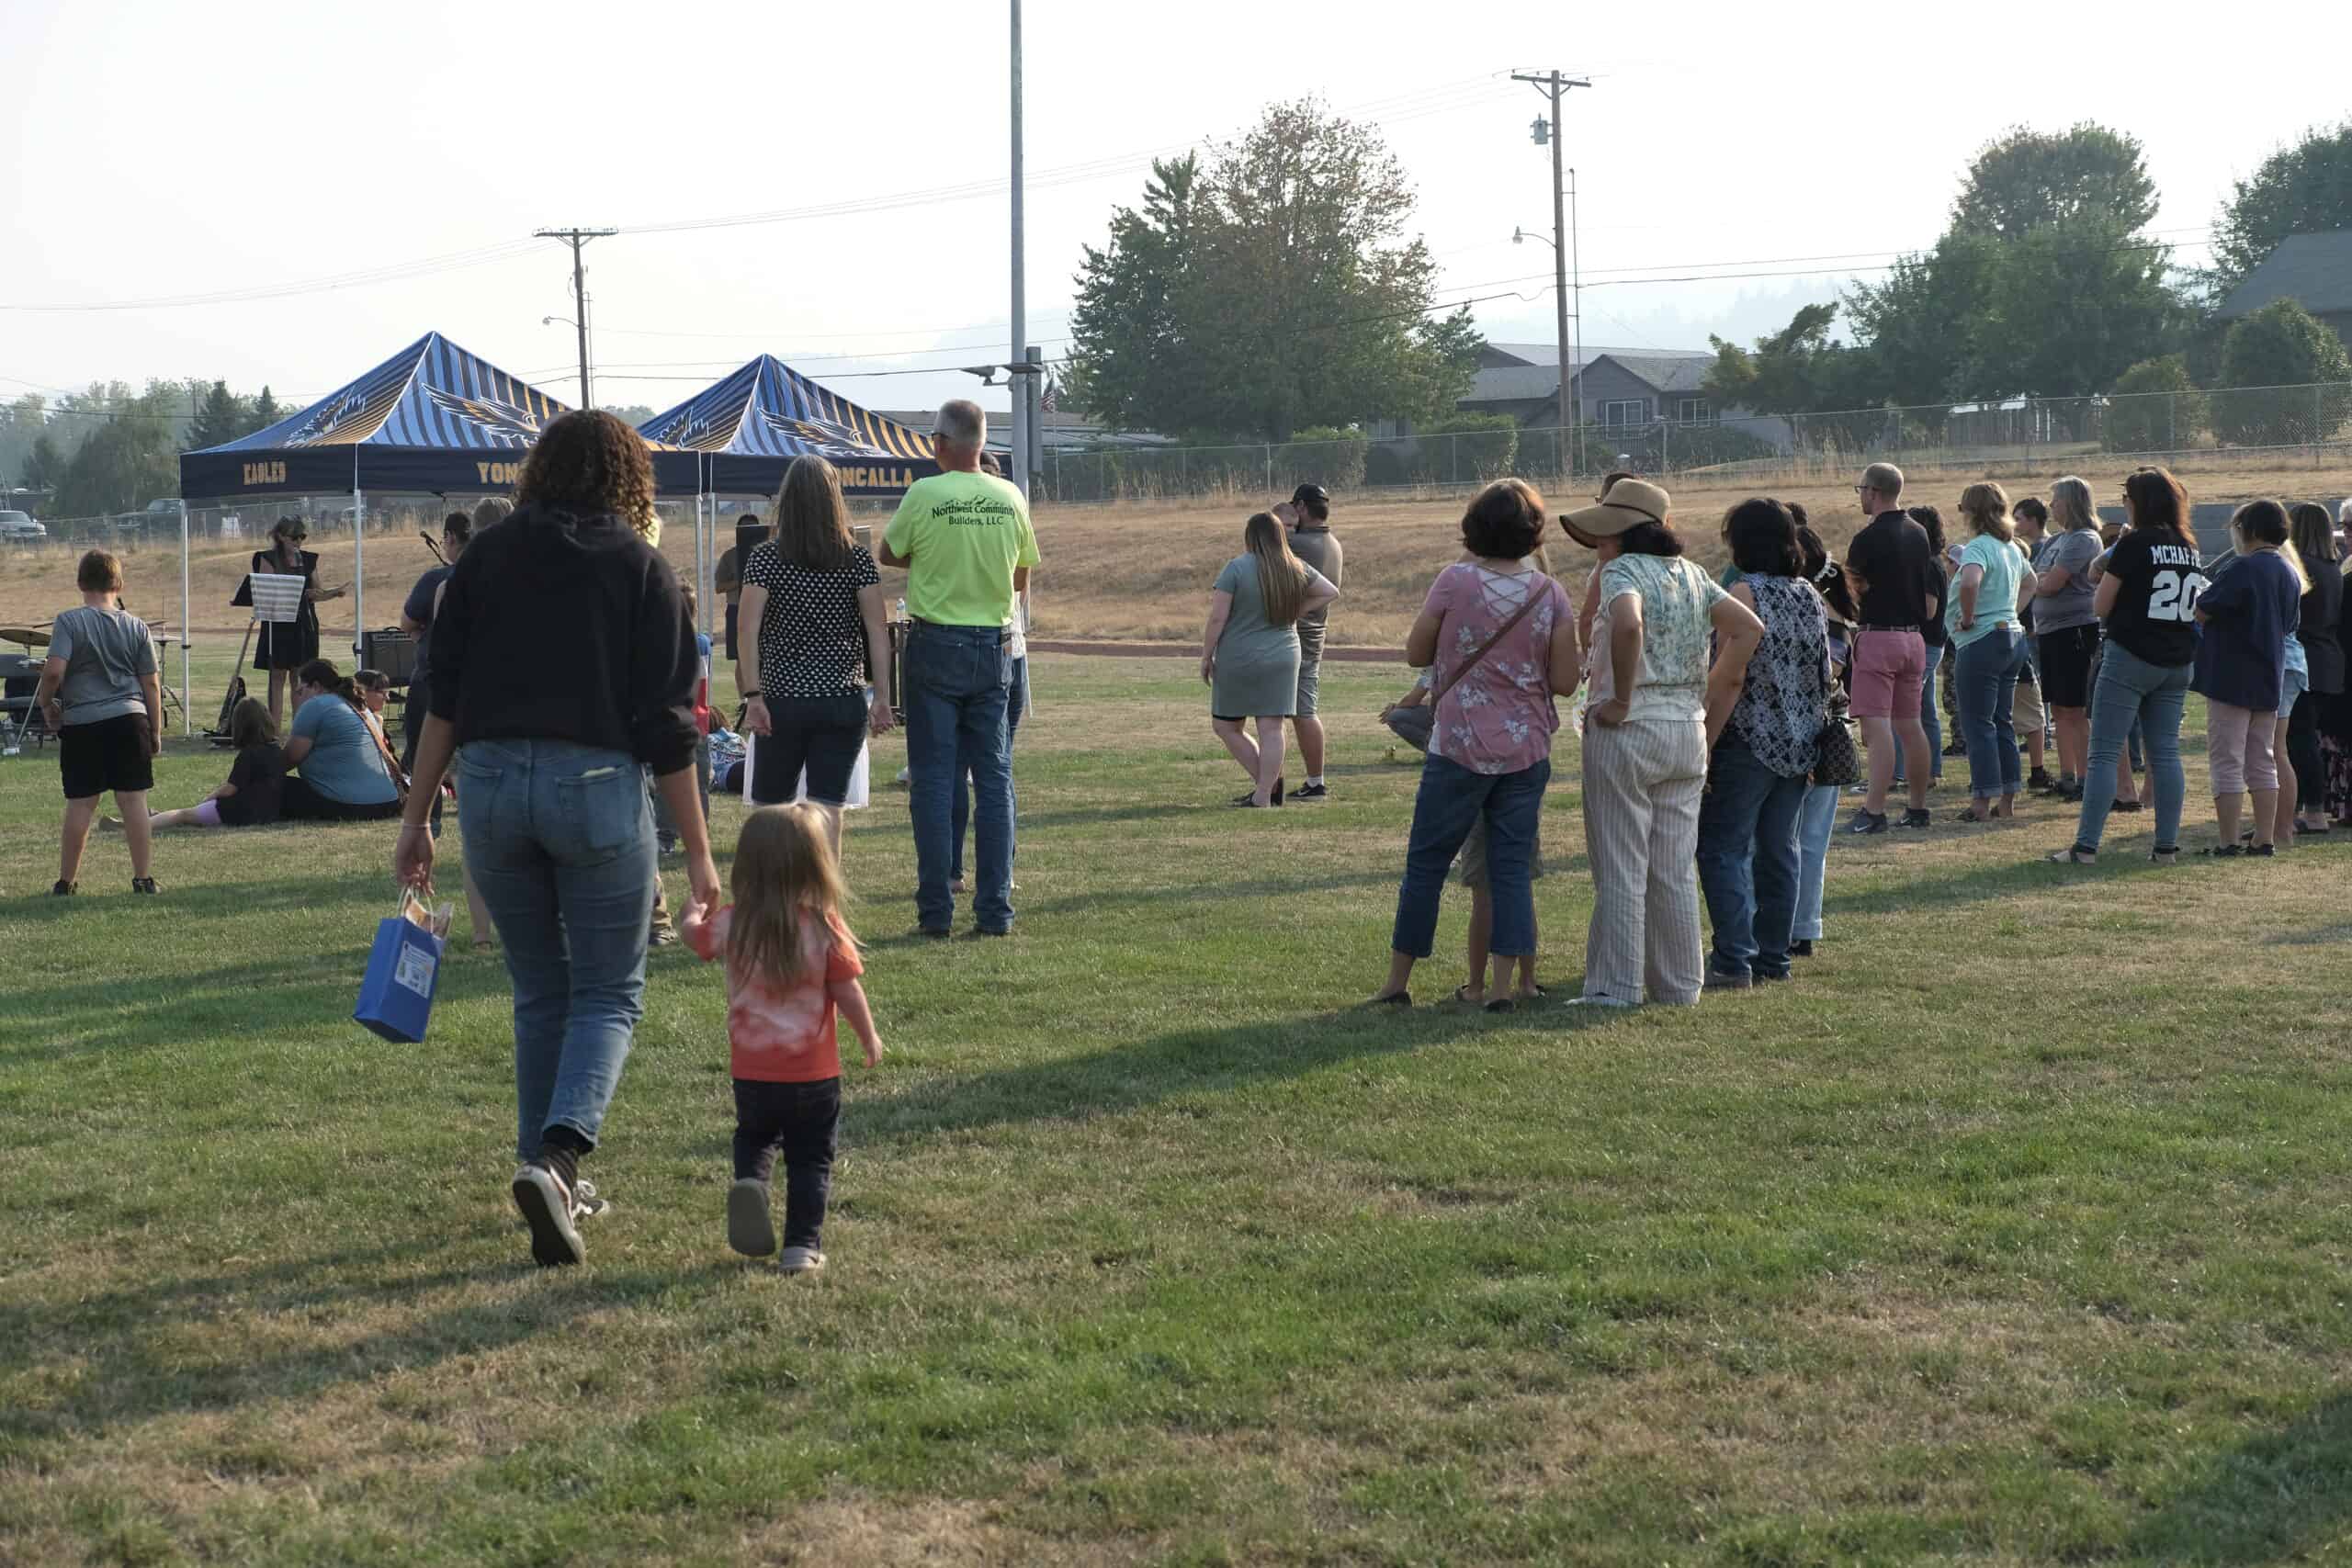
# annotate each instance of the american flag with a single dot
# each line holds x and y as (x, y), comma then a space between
(1051, 399)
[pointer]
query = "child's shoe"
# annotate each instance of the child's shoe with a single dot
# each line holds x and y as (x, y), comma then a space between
(749, 1229)
(800, 1260)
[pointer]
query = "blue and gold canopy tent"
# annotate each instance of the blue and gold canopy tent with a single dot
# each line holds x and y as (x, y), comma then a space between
(751, 425)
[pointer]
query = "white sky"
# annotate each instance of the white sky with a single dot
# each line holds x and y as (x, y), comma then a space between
(165, 150)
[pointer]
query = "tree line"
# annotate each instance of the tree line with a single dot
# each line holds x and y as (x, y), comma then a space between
(2048, 283)
(113, 449)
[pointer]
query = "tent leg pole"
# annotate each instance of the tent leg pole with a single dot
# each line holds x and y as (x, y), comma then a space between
(187, 692)
(359, 570)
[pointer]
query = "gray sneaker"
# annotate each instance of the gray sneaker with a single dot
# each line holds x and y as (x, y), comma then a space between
(800, 1260)
(1725, 980)
(749, 1230)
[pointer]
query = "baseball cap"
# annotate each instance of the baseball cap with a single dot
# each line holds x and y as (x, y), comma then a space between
(1310, 493)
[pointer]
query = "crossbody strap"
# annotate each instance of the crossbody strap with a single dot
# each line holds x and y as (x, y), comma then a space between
(1437, 694)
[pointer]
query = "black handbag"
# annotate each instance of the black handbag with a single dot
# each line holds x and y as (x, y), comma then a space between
(1412, 724)
(1836, 758)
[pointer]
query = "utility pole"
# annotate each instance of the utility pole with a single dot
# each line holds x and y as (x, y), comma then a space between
(1557, 85)
(1019, 356)
(576, 238)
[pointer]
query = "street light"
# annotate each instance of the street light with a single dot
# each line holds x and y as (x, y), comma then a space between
(1520, 236)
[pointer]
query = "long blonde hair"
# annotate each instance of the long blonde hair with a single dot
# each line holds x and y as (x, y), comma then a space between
(811, 517)
(1282, 576)
(785, 875)
(1986, 506)
(2070, 505)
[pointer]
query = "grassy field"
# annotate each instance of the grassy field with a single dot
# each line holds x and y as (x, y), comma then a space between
(1141, 571)
(2015, 1231)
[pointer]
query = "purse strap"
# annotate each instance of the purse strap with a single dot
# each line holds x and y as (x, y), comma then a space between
(1437, 694)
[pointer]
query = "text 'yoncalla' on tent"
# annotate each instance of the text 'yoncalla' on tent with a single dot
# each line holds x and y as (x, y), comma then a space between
(433, 419)
(750, 426)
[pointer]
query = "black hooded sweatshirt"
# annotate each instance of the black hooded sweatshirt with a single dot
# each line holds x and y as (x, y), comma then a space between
(557, 628)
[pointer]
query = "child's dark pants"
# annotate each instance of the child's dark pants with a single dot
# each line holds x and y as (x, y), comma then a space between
(797, 1120)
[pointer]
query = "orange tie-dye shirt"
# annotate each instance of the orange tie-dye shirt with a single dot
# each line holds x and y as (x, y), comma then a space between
(782, 1035)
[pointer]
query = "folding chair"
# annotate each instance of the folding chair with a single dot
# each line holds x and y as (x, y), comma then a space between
(19, 676)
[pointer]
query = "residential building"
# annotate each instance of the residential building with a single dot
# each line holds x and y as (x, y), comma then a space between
(2314, 270)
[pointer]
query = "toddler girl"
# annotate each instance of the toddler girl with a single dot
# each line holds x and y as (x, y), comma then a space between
(791, 960)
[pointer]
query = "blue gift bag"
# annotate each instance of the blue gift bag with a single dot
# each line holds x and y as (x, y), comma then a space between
(404, 968)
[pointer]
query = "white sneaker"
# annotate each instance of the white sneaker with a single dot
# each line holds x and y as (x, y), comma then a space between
(750, 1231)
(546, 1205)
(800, 1260)
(1598, 1001)
(585, 1204)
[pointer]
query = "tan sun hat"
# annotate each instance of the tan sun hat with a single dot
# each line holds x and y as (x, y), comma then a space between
(1630, 501)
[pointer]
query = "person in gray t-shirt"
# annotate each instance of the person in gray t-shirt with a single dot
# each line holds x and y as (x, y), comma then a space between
(1308, 515)
(100, 692)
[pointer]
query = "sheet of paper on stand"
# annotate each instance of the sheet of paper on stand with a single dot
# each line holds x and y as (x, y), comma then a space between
(276, 598)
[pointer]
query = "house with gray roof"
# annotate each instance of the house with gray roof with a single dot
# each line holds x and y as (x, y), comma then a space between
(2314, 270)
(1636, 390)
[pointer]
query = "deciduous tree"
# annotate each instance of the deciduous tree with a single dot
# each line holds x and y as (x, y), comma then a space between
(2303, 189)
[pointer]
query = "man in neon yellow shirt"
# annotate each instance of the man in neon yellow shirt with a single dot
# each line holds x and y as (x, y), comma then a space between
(965, 539)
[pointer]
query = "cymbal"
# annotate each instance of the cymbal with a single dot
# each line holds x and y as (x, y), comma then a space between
(31, 636)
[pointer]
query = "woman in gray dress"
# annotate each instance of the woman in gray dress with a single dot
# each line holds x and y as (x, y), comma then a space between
(1249, 652)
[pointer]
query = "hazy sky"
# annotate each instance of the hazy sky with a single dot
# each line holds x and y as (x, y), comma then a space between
(165, 150)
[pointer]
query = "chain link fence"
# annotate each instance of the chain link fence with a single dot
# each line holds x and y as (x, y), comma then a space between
(2286, 423)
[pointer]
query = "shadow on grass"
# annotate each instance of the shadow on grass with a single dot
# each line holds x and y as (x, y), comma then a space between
(134, 1358)
(1998, 879)
(2317, 936)
(1207, 1060)
(2276, 1497)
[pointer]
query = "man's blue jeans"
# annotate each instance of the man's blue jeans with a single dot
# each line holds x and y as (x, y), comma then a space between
(560, 839)
(1986, 688)
(1748, 860)
(2132, 691)
(1451, 801)
(1016, 705)
(956, 684)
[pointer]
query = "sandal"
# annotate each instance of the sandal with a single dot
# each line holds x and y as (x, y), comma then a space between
(1537, 994)
(2126, 806)
(1460, 995)
(2074, 855)
(1972, 815)
(2223, 851)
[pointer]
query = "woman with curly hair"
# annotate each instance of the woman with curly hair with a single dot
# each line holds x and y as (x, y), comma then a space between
(564, 665)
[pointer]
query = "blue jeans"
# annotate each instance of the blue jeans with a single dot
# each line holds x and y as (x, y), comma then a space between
(1748, 859)
(1016, 705)
(957, 681)
(1931, 717)
(1815, 823)
(1452, 799)
(560, 839)
(1985, 684)
(2133, 692)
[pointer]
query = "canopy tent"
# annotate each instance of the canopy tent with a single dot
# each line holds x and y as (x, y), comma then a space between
(753, 423)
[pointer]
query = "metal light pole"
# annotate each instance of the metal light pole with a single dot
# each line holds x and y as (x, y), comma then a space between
(1576, 275)
(576, 238)
(1548, 130)
(1020, 356)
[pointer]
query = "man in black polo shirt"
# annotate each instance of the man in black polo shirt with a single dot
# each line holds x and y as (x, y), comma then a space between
(1894, 582)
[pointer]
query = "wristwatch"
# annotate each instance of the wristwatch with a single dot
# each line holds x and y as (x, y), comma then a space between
(751, 696)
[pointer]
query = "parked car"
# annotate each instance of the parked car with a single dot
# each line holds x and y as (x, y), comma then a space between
(19, 528)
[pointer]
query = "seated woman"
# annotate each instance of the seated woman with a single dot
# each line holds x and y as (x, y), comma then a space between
(345, 774)
(256, 784)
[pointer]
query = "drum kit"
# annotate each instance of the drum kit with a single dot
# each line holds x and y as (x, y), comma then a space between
(24, 669)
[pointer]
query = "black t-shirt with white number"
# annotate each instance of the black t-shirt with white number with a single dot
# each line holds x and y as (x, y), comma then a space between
(812, 640)
(2156, 605)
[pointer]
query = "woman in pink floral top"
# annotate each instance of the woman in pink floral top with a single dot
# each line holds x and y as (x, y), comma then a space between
(1500, 638)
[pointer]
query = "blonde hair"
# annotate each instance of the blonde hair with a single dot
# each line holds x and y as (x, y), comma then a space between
(1986, 506)
(1282, 576)
(2070, 505)
(785, 875)
(2263, 526)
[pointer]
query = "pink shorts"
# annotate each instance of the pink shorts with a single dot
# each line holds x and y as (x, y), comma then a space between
(208, 813)
(1888, 669)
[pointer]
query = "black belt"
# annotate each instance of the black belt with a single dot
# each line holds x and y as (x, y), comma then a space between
(1868, 629)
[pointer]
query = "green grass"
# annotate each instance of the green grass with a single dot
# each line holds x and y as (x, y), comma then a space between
(2015, 1231)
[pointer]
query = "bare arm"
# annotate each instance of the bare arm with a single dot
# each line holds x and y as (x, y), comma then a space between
(748, 615)
(1220, 610)
(1972, 581)
(1421, 643)
(299, 747)
(1737, 632)
(52, 674)
(892, 557)
(1566, 658)
(1021, 580)
(850, 996)
(151, 692)
(1625, 633)
(1319, 592)
(2111, 589)
(877, 617)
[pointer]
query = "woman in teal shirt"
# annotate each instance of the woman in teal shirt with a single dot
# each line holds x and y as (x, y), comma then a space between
(1982, 621)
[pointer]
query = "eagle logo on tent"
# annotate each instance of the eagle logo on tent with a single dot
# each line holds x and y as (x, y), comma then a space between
(696, 432)
(827, 437)
(501, 425)
(328, 418)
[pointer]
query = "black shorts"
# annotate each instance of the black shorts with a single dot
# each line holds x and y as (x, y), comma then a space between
(109, 755)
(2066, 659)
(821, 735)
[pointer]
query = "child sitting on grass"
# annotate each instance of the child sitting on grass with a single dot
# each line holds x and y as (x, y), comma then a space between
(791, 960)
(256, 780)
